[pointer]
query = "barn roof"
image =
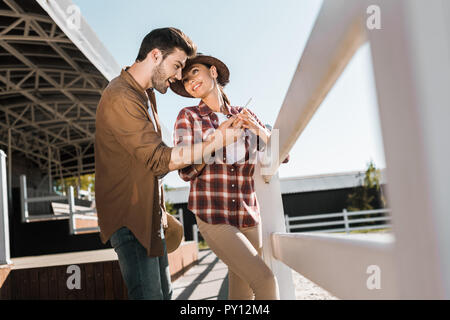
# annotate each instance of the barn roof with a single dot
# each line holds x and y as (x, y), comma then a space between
(53, 69)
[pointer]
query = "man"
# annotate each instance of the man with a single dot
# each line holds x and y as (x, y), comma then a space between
(130, 157)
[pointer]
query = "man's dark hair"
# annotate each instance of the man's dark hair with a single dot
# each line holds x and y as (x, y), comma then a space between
(166, 40)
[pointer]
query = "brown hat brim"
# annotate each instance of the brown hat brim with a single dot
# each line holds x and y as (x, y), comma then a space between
(173, 233)
(222, 70)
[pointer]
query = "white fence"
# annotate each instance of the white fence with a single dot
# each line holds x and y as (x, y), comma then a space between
(330, 226)
(71, 215)
(411, 68)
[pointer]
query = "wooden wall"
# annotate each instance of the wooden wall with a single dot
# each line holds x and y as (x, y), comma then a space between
(99, 281)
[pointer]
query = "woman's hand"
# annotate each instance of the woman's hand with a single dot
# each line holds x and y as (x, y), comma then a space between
(227, 133)
(246, 119)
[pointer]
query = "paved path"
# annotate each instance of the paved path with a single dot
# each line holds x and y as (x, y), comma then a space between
(208, 280)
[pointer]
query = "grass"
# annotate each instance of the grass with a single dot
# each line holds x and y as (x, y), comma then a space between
(382, 230)
(202, 245)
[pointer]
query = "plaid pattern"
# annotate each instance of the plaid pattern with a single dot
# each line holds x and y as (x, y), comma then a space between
(221, 193)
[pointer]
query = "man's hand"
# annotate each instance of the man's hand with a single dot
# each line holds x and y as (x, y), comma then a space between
(227, 133)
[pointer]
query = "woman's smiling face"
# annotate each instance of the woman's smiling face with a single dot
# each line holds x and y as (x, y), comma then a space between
(198, 80)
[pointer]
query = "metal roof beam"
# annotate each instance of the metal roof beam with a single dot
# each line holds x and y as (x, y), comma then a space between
(36, 126)
(44, 75)
(14, 14)
(58, 89)
(15, 68)
(41, 32)
(21, 38)
(32, 139)
(47, 107)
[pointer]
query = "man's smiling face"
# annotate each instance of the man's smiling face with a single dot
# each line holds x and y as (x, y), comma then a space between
(169, 70)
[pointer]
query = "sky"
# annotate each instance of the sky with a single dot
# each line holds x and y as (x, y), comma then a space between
(261, 41)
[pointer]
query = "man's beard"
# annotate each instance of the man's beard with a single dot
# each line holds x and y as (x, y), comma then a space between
(159, 79)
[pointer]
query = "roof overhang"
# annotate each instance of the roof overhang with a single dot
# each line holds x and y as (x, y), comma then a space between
(51, 79)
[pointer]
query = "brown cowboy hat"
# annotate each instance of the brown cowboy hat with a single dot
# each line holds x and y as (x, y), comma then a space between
(223, 76)
(173, 233)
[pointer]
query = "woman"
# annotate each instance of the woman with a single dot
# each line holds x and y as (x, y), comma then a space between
(222, 194)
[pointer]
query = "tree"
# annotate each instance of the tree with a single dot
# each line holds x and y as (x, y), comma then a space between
(86, 182)
(169, 206)
(368, 195)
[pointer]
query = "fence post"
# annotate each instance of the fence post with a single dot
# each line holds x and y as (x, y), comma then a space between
(180, 215)
(347, 227)
(286, 221)
(272, 218)
(195, 233)
(411, 64)
(4, 221)
(71, 200)
(24, 197)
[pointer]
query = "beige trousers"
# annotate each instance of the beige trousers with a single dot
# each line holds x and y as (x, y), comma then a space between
(241, 249)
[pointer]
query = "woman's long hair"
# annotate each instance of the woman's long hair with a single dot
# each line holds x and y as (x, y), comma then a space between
(223, 98)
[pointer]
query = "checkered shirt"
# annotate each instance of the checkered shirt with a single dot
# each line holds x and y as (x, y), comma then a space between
(221, 193)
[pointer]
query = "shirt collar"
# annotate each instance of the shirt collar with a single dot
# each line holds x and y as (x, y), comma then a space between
(124, 74)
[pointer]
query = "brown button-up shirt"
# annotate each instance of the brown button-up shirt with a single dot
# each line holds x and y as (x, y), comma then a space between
(129, 157)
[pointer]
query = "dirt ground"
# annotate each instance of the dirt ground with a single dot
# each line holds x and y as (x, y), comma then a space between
(307, 290)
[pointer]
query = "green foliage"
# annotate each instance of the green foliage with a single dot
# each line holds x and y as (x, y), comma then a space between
(86, 181)
(202, 245)
(168, 188)
(170, 208)
(368, 193)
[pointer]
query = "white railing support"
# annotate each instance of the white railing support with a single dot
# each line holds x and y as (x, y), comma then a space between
(347, 227)
(180, 216)
(322, 62)
(411, 62)
(195, 233)
(331, 226)
(71, 215)
(4, 221)
(24, 198)
(71, 200)
(272, 220)
(348, 266)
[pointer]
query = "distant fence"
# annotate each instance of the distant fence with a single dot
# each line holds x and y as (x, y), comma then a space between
(350, 221)
(71, 214)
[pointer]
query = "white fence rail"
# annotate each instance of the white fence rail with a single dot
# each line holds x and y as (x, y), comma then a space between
(330, 226)
(412, 70)
(72, 214)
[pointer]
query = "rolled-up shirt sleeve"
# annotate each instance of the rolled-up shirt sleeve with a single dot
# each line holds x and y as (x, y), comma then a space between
(130, 126)
(184, 136)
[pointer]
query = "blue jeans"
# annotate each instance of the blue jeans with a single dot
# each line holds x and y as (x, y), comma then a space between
(147, 278)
